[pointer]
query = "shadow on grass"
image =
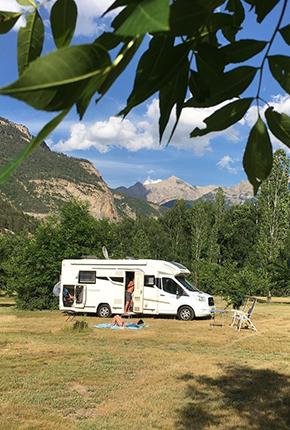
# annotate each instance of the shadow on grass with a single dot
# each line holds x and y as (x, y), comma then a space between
(260, 397)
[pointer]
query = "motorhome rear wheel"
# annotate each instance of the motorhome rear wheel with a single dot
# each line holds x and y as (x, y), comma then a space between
(104, 311)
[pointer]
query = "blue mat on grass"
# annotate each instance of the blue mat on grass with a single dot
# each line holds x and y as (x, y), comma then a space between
(131, 326)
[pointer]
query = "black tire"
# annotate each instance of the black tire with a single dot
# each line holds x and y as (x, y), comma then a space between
(185, 313)
(104, 311)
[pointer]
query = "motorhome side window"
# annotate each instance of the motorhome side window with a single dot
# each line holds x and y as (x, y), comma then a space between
(87, 277)
(169, 285)
(149, 281)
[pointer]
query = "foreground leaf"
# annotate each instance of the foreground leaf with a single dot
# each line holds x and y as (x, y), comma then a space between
(173, 94)
(279, 124)
(156, 67)
(30, 41)
(8, 20)
(55, 81)
(242, 50)
(63, 18)
(258, 156)
(224, 117)
(102, 83)
(46, 130)
(224, 86)
(26, 2)
(186, 17)
(120, 3)
(147, 16)
(262, 7)
(280, 69)
(285, 32)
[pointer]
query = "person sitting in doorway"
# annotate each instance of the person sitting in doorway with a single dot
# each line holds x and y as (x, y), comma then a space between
(129, 291)
(68, 299)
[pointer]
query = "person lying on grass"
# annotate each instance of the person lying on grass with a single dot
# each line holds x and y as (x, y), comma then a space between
(118, 321)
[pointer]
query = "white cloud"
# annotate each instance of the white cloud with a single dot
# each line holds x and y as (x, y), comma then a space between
(227, 163)
(141, 132)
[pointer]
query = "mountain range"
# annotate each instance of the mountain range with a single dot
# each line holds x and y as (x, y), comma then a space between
(47, 179)
(166, 192)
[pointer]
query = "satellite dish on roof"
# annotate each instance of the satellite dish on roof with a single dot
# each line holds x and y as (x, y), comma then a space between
(105, 252)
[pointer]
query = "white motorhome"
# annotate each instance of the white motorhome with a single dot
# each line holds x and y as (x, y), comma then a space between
(98, 286)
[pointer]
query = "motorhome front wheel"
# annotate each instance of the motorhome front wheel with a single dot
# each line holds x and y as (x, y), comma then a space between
(185, 313)
(104, 311)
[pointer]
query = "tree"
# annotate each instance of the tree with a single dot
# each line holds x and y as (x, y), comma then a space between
(36, 265)
(274, 209)
(238, 234)
(177, 226)
(193, 48)
(200, 233)
(214, 253)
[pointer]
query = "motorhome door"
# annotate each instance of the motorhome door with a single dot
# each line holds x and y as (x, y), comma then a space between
(138, 295)
(80, 293)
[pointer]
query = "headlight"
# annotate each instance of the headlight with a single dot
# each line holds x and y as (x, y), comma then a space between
(201, 298)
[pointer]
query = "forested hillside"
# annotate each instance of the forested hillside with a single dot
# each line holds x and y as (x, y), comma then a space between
(231, 251)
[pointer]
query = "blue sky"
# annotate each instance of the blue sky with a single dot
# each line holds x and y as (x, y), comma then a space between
(128, 151)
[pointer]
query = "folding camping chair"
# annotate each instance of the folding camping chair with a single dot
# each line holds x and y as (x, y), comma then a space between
(70, 315)
(242, 318)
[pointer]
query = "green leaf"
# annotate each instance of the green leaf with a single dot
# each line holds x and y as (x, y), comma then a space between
(26, 2)
(224, 87)
(173, 93)
(199, 89)
(242, 50)
(156, 67)
(186, 17)
(91, 87)
(279, 124)
(120, 3)
(55, 81)
(258, 156)
(280, 69)
(63, 18)
(262, 7)
(224, 117)
(8, 20)
(237, 8)
(30, 41)
(285, 32)
(28, 148)
(147, 16)
(109, 41)
(122, 60)
(104, 82)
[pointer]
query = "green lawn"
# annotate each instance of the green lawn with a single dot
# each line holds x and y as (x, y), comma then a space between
(170, 375)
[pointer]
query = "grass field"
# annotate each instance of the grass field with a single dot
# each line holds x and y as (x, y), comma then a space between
(170, 375)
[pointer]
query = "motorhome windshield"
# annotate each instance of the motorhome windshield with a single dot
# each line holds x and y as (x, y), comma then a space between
(186, 283)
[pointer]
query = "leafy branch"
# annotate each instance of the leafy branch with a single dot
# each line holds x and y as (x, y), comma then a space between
(277, 28)
(184, 54)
